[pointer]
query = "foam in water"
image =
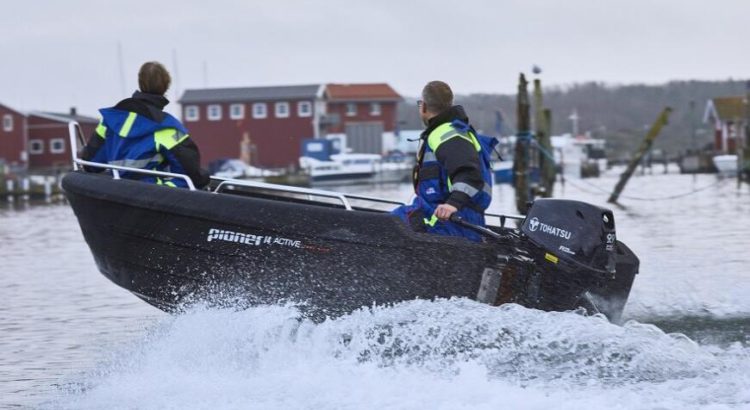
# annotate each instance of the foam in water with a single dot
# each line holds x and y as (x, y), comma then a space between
(447, 354)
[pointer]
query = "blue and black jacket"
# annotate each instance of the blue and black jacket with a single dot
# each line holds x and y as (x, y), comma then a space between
(137, 133)
(453, 167)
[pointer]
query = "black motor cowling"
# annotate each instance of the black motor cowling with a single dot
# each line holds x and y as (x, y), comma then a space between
(567, 257)
(573, 231)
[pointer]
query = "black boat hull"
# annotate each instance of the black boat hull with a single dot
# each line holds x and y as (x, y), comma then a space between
(173, 246)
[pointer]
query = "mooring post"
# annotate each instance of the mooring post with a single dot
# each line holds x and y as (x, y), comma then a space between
(521, 152)
(25, 188)
(549, 173)
(542, 139)
(743, 148)
(9, 188)
(47, 190)
(543, 136)
(644, 148)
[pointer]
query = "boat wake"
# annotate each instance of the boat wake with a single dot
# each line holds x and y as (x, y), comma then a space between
(448, 354)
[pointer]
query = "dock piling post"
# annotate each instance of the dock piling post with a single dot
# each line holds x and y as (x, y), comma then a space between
(644, 148)
(9, 187)
(521, 152)
(25, 188)
(47, 191)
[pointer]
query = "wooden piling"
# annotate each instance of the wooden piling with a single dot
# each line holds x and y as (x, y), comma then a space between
(25, 189)
(9, 187)
(47, 191)
(743, 146)
(543, 137)
(644, 148)
(550, 170)
(520, 156)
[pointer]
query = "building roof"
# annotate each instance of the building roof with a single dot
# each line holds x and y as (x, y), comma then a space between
(361, 92)
(10, 109)
(63, 117)
(726, 109)
(285, 92)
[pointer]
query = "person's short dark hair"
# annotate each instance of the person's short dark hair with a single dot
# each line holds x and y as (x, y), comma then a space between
(153, 78)
(437, 96)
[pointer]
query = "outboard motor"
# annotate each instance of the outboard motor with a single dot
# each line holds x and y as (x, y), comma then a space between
(577, 232)
(567, 257)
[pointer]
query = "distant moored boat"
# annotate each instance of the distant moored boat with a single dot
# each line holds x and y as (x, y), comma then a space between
(726, 164)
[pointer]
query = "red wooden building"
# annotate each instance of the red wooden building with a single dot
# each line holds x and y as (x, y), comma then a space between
(13, 137)
(728, 116)
(273, 121)
(365, 114)
(48, 142)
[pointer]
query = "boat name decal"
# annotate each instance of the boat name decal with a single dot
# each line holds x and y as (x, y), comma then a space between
(250, 239)
(535, 224)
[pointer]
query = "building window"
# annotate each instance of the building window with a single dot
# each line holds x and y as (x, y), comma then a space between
(237, 111)
(57, 145)
(304, 109)
(282, 109)
(259, 110)
(214, 112)
(7, 123)
(192, 113)
(375, 109)
(351, 109)
(36, 147)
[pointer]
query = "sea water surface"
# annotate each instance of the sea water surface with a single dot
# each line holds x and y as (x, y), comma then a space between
(70, 339)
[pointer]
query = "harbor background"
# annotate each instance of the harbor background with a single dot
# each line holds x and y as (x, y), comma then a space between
(72, 340)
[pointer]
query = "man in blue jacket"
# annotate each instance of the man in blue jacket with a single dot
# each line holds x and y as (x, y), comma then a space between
(453, 174)
(137, 133)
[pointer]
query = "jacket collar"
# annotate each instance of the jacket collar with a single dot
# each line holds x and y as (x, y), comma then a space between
(148, 105)
(158, 101)
(456, 112)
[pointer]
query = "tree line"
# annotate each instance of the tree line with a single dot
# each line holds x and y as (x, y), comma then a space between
(621, 114)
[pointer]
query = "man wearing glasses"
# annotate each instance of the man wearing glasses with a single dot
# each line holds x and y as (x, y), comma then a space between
(453, 174)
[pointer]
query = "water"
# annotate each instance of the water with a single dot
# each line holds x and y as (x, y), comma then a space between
(70, 339)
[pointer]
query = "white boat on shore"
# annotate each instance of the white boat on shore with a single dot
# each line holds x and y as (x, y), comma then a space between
(237, 169)
(354, 168)
(726, 165)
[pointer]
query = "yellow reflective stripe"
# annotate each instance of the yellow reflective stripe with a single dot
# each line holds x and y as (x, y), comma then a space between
(101, 130)
(432, 221)
(128, 124)
(167, 182)
(434, 139)
(169, 137)
(445, 131)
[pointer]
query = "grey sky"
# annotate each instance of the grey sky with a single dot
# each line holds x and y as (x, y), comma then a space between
(64, 53)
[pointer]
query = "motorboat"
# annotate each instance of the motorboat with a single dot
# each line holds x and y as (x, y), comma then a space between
(726, 165)
(246, 243)
(353, 168)
(238, 169)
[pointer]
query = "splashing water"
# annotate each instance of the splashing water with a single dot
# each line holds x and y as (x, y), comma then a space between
(450, 354)
(63, 323)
